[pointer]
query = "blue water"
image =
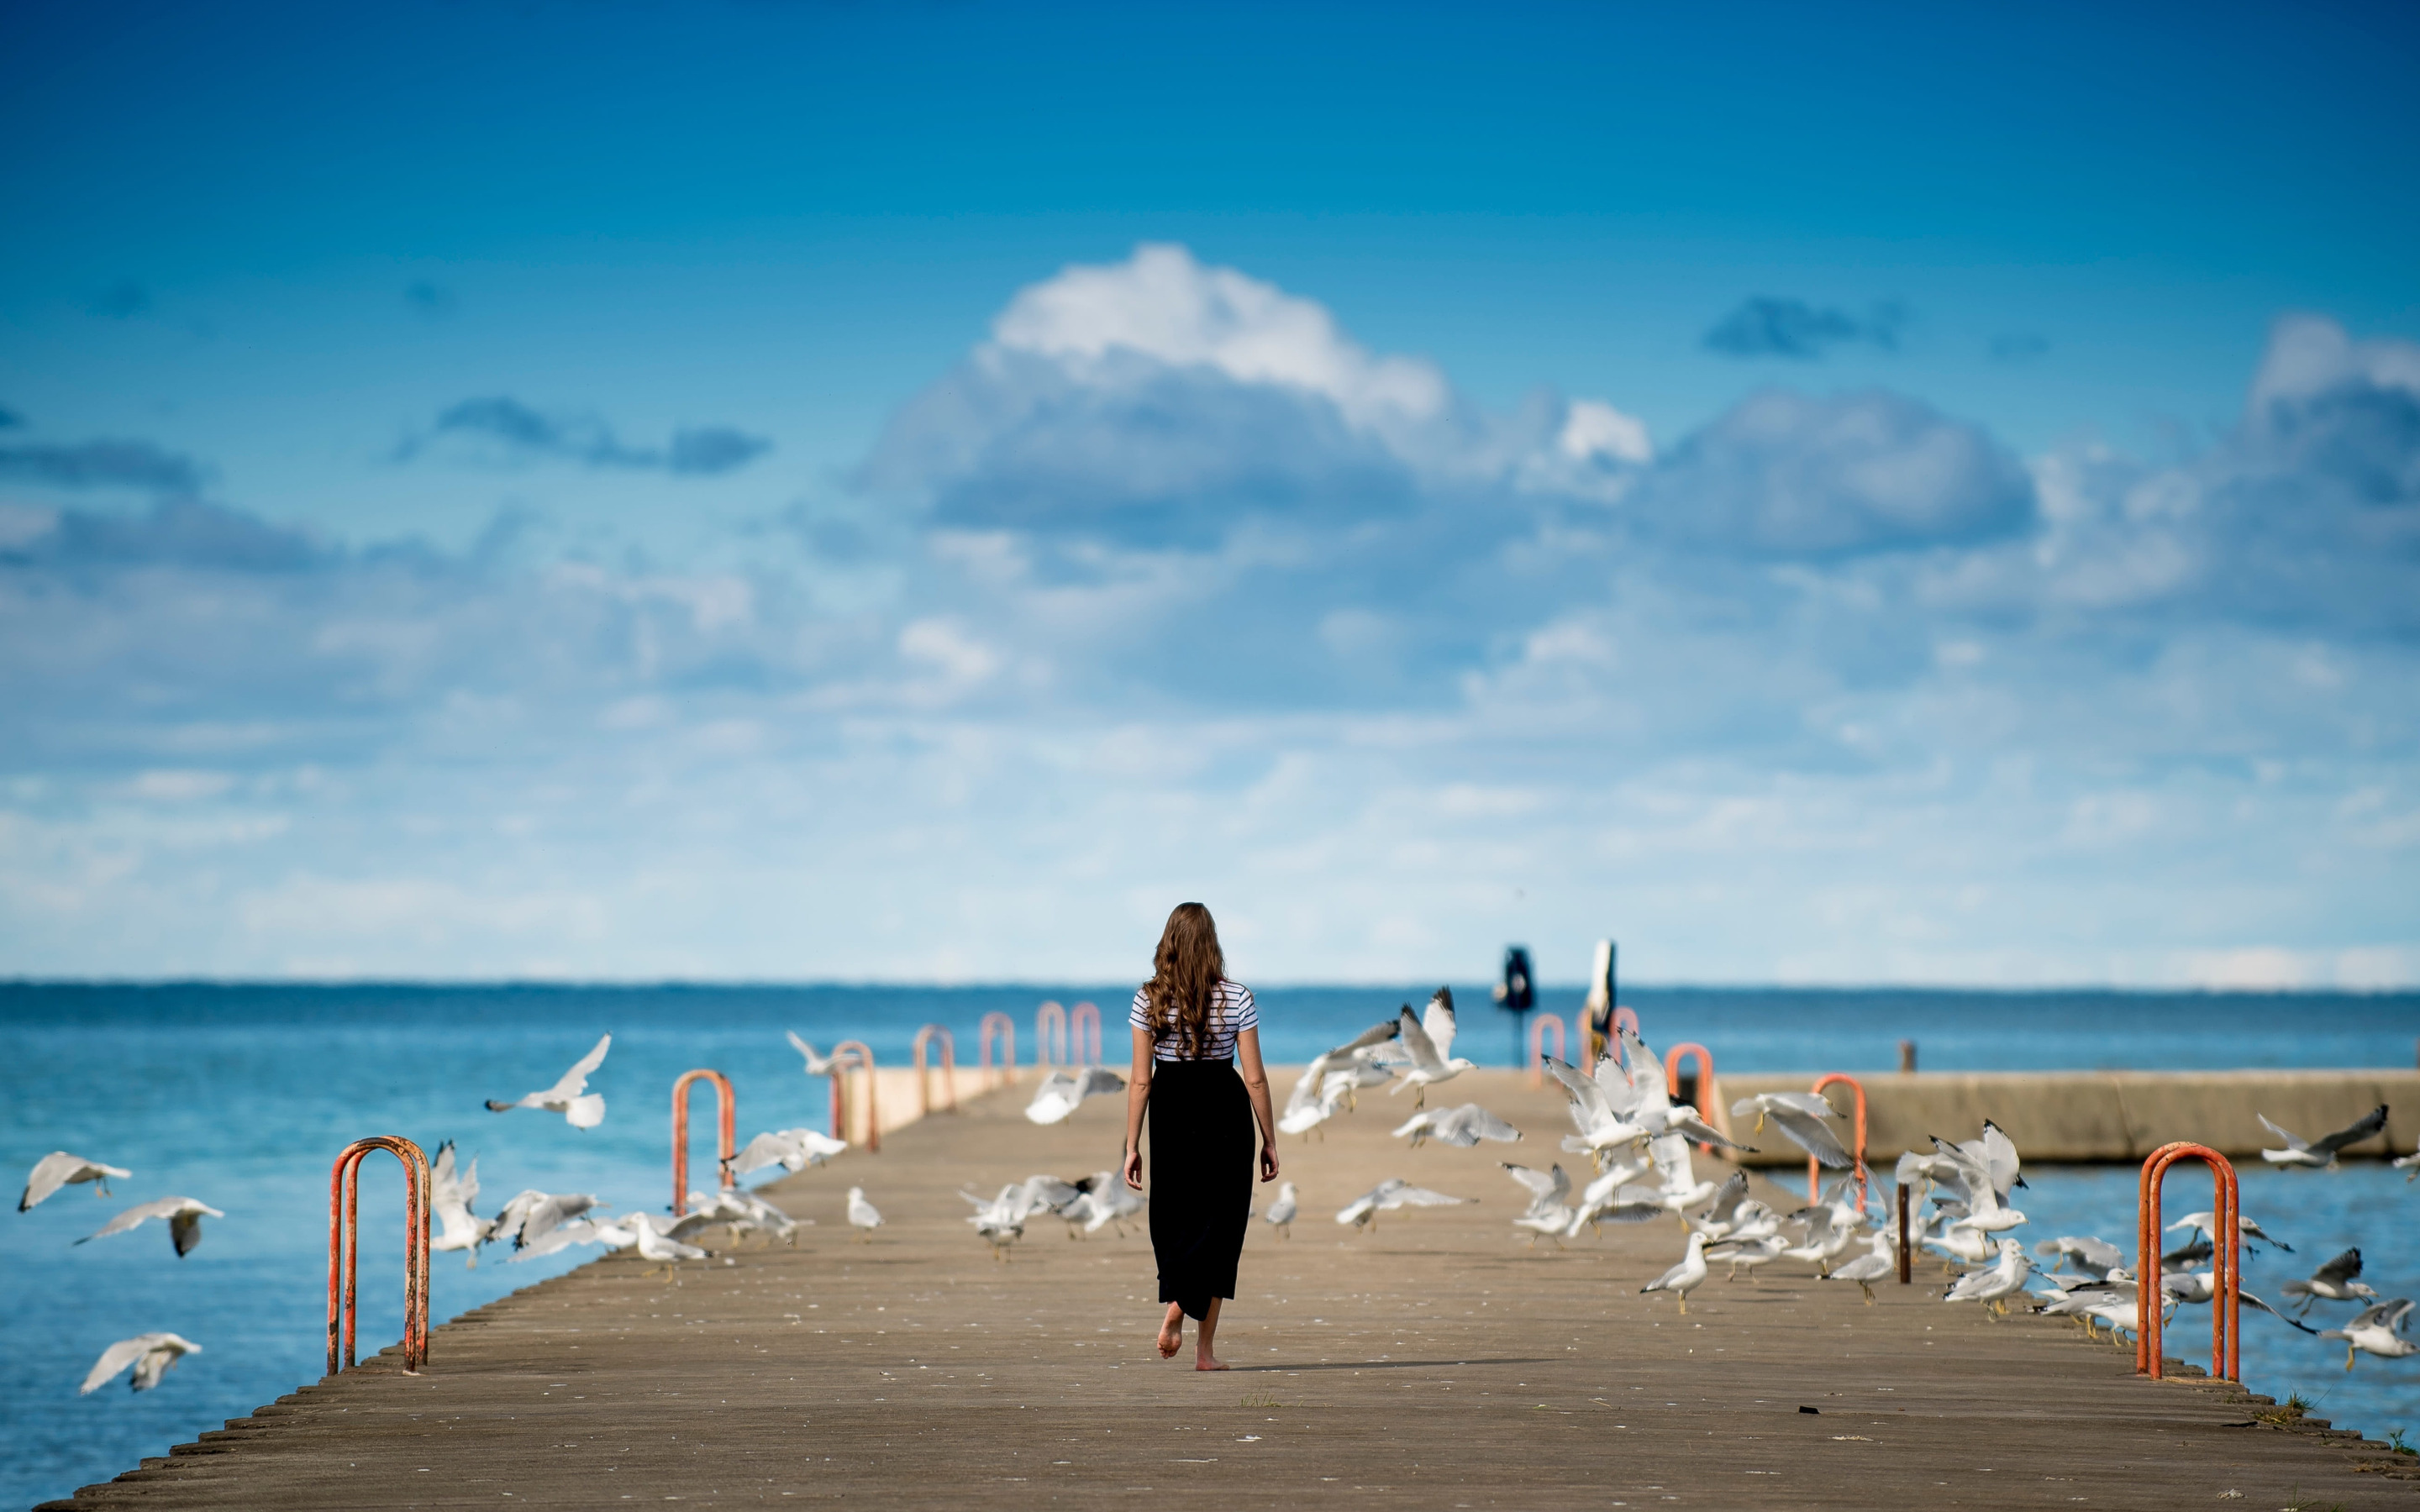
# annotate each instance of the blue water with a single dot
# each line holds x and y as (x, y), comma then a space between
(240, 1096)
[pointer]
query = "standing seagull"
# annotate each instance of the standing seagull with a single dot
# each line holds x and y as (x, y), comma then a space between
(1994, 1286)
(861, 1213)
(2377, 1331)
(58, 1169)
(1878, 1264)
(184, 1215)
(1685, 1277)
(1430, 1039)
(1281, 1212)
(564, 1097)
(2322, 1151)
(150, 1354)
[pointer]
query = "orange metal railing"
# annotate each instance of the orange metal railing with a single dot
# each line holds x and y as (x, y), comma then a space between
(1050, 1035)
(848, 1055)
(1814, 1166)
(923, 1070)
(344, 1247)
(1083, 1020)
(2226, 1262)
(1538, 1045)
(1003, 1027)
(726, 1105)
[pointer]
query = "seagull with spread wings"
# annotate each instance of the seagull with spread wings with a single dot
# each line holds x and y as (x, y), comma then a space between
(1430, 1039)
(58, 1169)
(2322, 1152)
(2340, 1280)
(792, 1149)
(1389, 1195)
(184, 1215)
(150, 1354)
(1061, 1091)
(569, 1096)
(450, 1196)
(1330, 1080)
(1800, 1117)
(2379, 1330)
(1461, 1127)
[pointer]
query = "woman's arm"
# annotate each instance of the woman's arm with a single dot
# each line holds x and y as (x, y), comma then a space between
(1138, 1098)
(1256, 1082)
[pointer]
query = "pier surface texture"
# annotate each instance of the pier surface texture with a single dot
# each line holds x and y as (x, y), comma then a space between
(1437, 1362)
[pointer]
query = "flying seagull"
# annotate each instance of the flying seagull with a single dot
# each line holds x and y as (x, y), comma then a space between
(2377, 1331)
(2206, 1224)
(2322, 1151)
(184, 1215)
(58, 1169)
(792, 1149)
(1430, 1039)
(449, 1202)
(564, 1097)
(1389, 1195)
(150, 1354)
(2340, 1280)
(1461, 1127)
(1800, 1117)
(1061, 1092)
(817, 1065)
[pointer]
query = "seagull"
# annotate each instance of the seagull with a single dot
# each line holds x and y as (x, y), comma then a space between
(1829, 1233)
(1332, 1076)
(184, 1215)
(1677, 1177)
(1878, 1263)
(740, 1211)
(861, 1215)
(1389, 1195)
(1461, 1127)
(792, 1149)
(2322, 1151)
(1750, 1253)
(531, 1215)
(1615, 1107)
(1281, 1212)
(2196, 1288)
(817, 1065)
(2377, 1331)
(1730, 1202)
(656, 1241)
(1549, 1213)
(1103, 1199)
(1800, 1117)
(2408, 1164)
(2097, 1254)
(1983, 1171)
(1061, 1092)
(2207, 1224)
(1430, 1039)
(58, 1169)
(1685, 1277)
(2336, 1281)
(565, 1096)
(1994, 1285)
(1000, 1220)
(150, 1354)
(449, 1202)
(616, 1236)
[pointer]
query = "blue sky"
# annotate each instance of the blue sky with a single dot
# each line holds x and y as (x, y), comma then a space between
(753, 491)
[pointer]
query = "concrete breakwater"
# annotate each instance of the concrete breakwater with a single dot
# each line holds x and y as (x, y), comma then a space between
(2086, 1116)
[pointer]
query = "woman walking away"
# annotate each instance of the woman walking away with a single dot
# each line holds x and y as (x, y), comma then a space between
(1190, 1026)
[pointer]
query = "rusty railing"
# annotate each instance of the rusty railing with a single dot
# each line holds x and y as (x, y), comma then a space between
(925, 1037)
(1906, 1258)
(1049, 1024)
(1082, 1020)
(1538, 1045)
(2226, 1262)
(848, 1055)
(1001, 1026)
(726, 1106)
(343, 1247)
(1814, 1166)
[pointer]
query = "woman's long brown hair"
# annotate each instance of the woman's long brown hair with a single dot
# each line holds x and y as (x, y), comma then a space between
(1186, 971)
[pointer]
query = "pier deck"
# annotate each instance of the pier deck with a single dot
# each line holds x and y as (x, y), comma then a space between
(1435, 1363)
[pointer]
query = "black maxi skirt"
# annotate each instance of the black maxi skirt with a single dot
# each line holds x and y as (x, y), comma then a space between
(1201, 1178)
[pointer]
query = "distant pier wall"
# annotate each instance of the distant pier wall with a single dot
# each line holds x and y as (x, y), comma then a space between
(2090, 1115)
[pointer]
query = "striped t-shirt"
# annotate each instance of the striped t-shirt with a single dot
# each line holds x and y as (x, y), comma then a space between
(1231, 1012)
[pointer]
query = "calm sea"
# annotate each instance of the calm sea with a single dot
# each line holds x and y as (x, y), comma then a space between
(240, 1096)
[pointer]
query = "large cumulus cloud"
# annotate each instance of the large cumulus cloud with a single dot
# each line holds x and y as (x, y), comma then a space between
(1170, 584)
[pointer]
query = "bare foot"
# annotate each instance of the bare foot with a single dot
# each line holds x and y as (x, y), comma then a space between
(1171, 1334)
(1209, 1363)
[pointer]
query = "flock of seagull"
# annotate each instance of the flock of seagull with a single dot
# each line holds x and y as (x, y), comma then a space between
(533, 1222)
(1635, 1135)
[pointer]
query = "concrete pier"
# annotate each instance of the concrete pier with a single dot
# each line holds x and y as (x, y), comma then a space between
(1437, 1362)
(2090, 1115)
